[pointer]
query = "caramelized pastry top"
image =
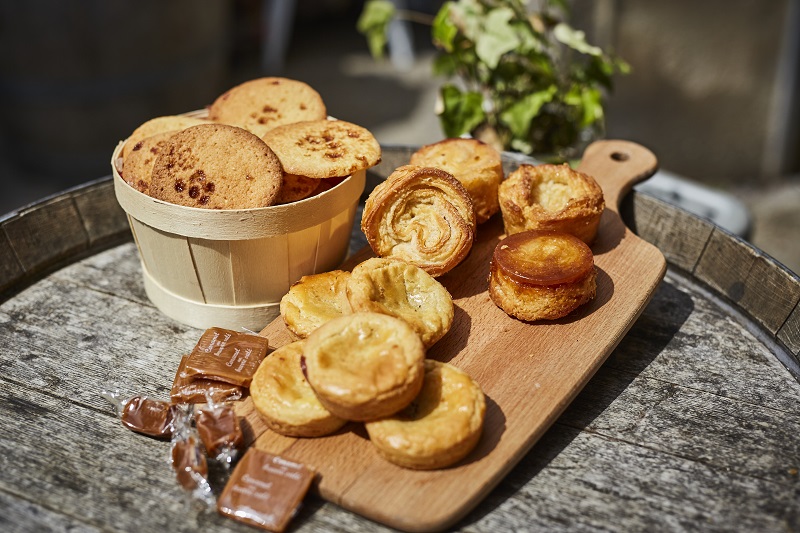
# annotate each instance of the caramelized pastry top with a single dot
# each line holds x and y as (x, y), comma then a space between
(543, 258)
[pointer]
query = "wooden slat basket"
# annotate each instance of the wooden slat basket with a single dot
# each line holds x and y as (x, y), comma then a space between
(230, 268)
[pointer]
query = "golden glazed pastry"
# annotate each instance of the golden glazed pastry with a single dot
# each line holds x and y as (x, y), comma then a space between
(398, 288)
(439, 428)
(313, 300)
(364, 365)
(538, 275)
(422, 215)
(554, 198)
(475, 164)
(285, 400)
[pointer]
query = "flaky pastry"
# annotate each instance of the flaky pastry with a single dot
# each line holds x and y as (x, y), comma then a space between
(364, 366)
(439, 428)
(313, 300)
(422, 215)
(553, 198)
(398, 288)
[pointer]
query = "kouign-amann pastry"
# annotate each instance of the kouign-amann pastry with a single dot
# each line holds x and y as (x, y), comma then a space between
(398, 288)
(554, 198)
(324, 148)
(422, 215)
(216, 166)
(475, 164)
(158, 125)
(313, 300)
(265, 103)
(364, 366)
(285, 400)
(537, 275)
(439, 428)
(137, 167)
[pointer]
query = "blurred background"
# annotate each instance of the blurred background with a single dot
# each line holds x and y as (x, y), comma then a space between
(714, 91)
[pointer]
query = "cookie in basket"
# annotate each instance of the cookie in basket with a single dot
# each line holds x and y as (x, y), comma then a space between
(313, 300)
(324, 148)
(158, 125)
(440, 426)
(475, 164)
(265, 103)
(398, 288)
(295, 188)
(553, 198)
(284, 399)
(216, 166)
(137, 167)
(364, 366)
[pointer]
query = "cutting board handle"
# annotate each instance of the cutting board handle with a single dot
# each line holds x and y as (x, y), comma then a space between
(617, 166)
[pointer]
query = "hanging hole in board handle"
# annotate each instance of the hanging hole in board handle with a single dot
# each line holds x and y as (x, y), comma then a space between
(620, 156)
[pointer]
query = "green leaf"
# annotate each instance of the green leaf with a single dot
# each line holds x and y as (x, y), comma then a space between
(592, 102)
(374, 24)
(519, 115)
(498, 36)
(575, 39)
(462, 111)
(468, 16)
(443, 31)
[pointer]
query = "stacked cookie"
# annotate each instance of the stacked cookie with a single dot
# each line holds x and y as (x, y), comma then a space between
(265, 142)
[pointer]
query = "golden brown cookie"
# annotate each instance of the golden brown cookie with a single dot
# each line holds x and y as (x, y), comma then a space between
(439, 428)
(216, 166)
(158, 125)
(536, 275)
(265, 103)
(137, 167)
(398, 288)
(296, 188)
(324, 148)
(313, 300)
(422, 215)
(285, 400)
(475, 164)
(554, 198)
(364, 366)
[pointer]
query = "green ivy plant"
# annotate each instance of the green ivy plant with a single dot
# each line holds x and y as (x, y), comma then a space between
(521, 79)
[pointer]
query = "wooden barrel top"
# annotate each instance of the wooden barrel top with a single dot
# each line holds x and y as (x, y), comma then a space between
(691, 423)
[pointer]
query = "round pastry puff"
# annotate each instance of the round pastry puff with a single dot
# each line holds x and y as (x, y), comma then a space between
(364, 365)
(284, 399)
(439, 428)
(324, 148)
(553, 198)
(216, 166)
(313, 300)
(398, 288)
(422, 215)
(475, 164)
(539, 275)
(265, 103)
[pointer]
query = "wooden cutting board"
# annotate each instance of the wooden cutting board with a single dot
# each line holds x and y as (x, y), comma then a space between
(529, 372)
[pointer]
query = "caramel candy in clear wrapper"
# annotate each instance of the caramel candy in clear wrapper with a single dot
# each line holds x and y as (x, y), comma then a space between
(226, 355)
(264, 490)
(186, 389)
(219, 430)
(149, 417)
(191, 468)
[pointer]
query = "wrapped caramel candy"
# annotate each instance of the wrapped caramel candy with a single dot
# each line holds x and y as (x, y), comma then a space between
(186, 389)
(226, 355)
(219, 431)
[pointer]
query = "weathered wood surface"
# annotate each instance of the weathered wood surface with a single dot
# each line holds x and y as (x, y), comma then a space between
(691, 424)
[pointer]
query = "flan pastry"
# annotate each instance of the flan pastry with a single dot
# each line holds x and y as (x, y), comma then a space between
(537, 275)
(364, 365)
(313, 300)
(262, 104)
(422, 215)
(553, 198)
(284, 399)
(475, 164)
(439, 428)
(400, 289)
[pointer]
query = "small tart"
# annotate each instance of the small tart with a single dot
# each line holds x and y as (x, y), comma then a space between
(313, 300)
(475, 164)
(285, 400)
(554, 198)
(537, 275)
(364, 365)
(439, 428)
(422, 215)
(400, 289)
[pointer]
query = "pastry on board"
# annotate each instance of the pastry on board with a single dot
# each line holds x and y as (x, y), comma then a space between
(422, 215)
(313, 300)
